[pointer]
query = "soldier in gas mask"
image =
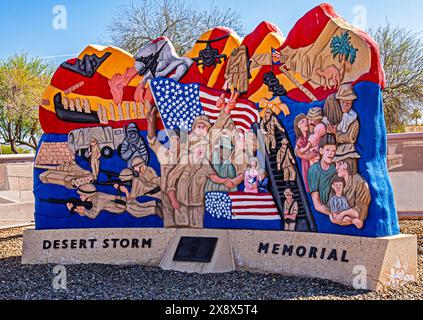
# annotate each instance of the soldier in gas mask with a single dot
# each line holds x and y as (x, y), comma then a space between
(133, 145)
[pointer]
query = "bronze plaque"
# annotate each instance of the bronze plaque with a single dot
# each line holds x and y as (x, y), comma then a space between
(195, 249)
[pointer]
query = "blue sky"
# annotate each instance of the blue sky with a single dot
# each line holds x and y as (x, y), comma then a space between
(26, 25)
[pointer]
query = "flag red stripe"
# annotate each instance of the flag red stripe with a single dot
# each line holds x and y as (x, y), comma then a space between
(263, 202)
(249, 106)
(240, 193)
(218, 93)
(237, 121)
(251, 198)
(255, 206)
(255, 214)
(234, 117)
(251, 110)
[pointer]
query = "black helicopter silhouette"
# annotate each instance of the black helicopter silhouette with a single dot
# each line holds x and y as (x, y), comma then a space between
(210, 56)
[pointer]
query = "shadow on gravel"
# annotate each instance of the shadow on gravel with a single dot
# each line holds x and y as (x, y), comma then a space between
(136, 282)
(11, 238)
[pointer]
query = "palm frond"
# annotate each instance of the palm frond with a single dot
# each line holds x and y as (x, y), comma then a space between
(341, 47)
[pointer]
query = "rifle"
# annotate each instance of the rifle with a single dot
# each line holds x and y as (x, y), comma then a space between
(113, 182)
(121, 183)
(152, 191)
(148, 193)
(119, 201)
(111, 174)
(88, 205)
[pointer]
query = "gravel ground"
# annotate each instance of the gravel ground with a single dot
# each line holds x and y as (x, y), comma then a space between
(137, 282)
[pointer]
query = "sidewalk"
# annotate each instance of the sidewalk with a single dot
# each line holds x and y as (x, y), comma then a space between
(10, 224)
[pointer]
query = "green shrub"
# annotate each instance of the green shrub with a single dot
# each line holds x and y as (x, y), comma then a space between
(5, 149)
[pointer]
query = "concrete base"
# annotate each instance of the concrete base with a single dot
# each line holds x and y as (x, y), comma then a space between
(363, 263)
(104, 246)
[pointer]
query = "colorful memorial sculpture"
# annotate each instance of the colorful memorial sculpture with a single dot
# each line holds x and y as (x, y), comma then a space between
(261, 133)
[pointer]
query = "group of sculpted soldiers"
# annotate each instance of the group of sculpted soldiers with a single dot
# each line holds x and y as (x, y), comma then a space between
(187, 172)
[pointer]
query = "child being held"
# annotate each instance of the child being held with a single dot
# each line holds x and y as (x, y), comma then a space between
(317, 131)
(338, 204)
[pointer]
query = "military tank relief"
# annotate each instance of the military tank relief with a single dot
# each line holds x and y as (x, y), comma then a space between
(60, 165)
(69, 175)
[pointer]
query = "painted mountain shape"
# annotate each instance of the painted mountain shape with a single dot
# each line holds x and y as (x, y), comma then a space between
(309, 61)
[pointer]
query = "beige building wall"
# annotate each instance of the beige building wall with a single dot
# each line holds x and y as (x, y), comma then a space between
(16, 178)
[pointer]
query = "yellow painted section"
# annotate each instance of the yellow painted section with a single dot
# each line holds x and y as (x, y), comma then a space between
(48, 95)
(134, 82)
(288, 85)
(262, 92)
(132, 114)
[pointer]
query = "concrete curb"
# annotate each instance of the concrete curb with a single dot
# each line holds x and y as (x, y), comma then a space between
(23, 211)
(15, 226)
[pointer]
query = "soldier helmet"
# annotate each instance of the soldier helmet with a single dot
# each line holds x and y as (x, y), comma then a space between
(137, 161)
(202, 119)
(346, 92)
(132, 127)
(126, 175)
(87, 189)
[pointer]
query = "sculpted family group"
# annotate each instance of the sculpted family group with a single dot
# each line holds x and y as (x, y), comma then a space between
(265, 132)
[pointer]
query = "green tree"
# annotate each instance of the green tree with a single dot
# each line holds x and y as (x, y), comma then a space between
(416, 115)
(22, 81)
(401, 53)
(180, 20)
